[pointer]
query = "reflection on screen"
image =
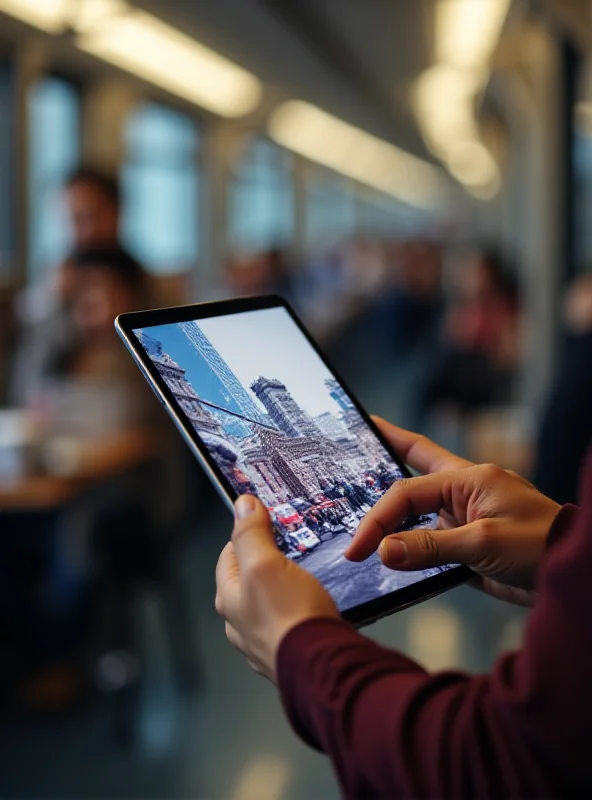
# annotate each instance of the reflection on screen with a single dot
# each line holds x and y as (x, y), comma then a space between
(279, 425)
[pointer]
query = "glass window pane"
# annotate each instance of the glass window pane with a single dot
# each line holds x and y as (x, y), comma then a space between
(54, 151)
(155, 133)
(161, 215)
(583, 187)
(161, 189)
(6, 209)
(330, 207)
(261, 197)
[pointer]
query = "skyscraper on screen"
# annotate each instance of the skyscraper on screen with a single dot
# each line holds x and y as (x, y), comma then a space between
(283, 409)
(236, 397)
(337, 393)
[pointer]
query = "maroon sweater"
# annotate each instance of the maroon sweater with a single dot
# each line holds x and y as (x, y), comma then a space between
(394, 731)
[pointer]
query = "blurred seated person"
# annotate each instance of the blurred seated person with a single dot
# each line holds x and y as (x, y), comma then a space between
(91, 201)
(103, 281)
(480, 350)
(96, 413)
(92, 206)
(566, 428)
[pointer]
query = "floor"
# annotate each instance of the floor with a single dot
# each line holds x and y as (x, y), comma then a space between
(228, 740)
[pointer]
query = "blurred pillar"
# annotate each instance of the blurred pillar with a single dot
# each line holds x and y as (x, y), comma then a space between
(570, 66)
(537, 167)
(7, 108)
(107, 104)
(220, 144)
(300, 195)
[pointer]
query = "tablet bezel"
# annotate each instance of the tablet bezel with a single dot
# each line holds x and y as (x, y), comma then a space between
(127, 323)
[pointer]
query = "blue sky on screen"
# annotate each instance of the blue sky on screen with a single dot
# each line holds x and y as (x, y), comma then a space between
(259, 343)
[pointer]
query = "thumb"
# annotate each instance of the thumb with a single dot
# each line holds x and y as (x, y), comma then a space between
(424, 548)
(253, 535)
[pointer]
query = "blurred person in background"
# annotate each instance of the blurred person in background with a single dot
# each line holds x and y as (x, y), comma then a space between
(480, 352)
(93, 208)
(267, 272)
(566, 427)
(95, 414)
(104, 281)
(415, 303)
(93, 203)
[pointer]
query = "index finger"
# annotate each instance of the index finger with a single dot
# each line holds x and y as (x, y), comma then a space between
(418, 451)
(424, 495)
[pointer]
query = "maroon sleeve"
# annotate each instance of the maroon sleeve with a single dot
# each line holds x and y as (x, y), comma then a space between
(394, 731)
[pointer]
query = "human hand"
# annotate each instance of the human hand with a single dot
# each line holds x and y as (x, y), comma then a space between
(492, 520)
(260, 593)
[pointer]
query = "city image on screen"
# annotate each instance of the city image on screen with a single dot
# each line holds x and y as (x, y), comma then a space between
(279, 425)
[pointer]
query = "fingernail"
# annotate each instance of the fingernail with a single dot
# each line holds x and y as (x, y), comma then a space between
(244, 506)
(393, 551)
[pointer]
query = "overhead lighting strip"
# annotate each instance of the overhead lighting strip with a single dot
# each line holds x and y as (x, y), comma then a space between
(147, 47)
(467, 32)
(351, 151)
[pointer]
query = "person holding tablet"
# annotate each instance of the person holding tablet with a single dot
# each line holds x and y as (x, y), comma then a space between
(391, 729)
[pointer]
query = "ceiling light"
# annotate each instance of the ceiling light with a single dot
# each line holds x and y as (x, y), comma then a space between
(89, 14)
(467, 30)
(149, 48)
(336, 144)
(443, 104)
(48, 15)
(445, 95)
(474, 166)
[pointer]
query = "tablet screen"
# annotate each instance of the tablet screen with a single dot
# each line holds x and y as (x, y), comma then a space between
(278, 424)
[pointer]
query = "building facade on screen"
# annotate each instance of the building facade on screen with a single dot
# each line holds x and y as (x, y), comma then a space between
(286, 454)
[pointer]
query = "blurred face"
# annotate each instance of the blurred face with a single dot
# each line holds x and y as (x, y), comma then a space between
(93, 215)
(474, 279)
(99, 296)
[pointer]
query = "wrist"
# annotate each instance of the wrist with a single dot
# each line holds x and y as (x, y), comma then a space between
(563, 520)
(294, 631)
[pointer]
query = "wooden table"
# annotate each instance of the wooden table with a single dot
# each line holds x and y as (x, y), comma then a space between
(37, 493)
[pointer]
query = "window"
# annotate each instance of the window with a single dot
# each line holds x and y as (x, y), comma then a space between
(160, 183)
(382, 215)
(583, 185)
(262, 198)
(54, 150)
(330, 207)
(6, 121)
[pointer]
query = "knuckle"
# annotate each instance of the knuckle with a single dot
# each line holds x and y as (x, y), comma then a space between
(373, 521)
(421, 441)
(219, 605)
(484, 531)
(517, 476)
(240, 528)
(490, 473)
(428, 545)
(261, 569)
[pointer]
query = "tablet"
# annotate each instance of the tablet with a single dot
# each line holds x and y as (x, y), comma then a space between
(262, 410)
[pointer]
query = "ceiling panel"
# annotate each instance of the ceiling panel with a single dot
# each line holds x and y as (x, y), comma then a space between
(355, 58)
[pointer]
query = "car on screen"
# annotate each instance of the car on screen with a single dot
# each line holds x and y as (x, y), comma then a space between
(304, 539)
(287, 515)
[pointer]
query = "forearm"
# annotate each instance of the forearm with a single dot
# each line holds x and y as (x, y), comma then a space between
(373, 711)
(394, 731)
